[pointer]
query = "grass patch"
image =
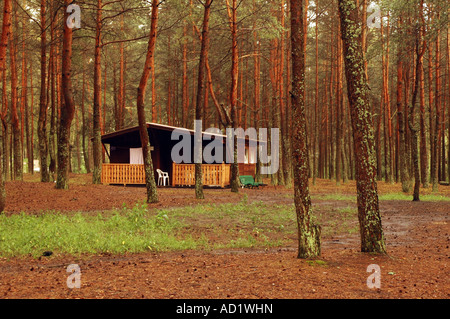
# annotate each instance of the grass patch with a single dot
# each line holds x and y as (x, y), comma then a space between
(136, 229)
(336, 196)
(126, 230)
(381, 197)
(317, 262)
(424, 197)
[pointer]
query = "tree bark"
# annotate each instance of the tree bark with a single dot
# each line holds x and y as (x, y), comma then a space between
(155, 117)
(284, 132)
(97, 126)
(67, 108)
(52, 76)
(6, 30)
(120, 122)
(201, 97)
(15, 122)
(401, 135)
(308, 232)
(423, 139)
(276, 178)
(152, 196)
(420, 49)
(372, 238)
(389, 169)
(316, 98)
(232, 13)
(5, 127)
(257, 89)
(185, 85)
(84, 124)
(448, 101)
(42, 124)
(24, 103)
(339, 113)
(437, 126)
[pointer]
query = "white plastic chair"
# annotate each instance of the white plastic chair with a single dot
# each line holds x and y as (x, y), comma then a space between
(162, 176)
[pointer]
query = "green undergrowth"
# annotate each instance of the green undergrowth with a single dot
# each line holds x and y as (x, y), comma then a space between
(138, 229)
(125, 230)
(382, 197)
(423, 197)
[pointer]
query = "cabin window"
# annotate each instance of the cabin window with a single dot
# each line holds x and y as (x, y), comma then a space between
(136, 156)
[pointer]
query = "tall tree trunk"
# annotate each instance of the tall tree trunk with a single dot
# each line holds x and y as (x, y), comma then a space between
(67, 108)
(437, 126)
(52, 75)
(201, 98)
(6, 30)
(448, 102)
(420, 49)
(105, 82)
(155, 117)
(257, 89)
(77, 141)
(404, 175)
(121, 94)
(308, 232)
(372, 239)
(339, 104)
(430, 104)
(284, 132)
(331, 144)
(42, 124)
(389, 167)
(5, 125)
(28, 130)
(18, 166)
(232, 13)
(152, 196)
(169, 87)
(84, 124)
(423, 138)
(97, 126)
(276, 178)
(25, 106)
(185, 86)
(316, 96)
(32, 115)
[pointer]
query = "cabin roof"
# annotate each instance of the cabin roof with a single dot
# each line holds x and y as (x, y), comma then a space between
(110, 137)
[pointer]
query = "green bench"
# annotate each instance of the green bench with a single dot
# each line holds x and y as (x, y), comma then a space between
(248, 181)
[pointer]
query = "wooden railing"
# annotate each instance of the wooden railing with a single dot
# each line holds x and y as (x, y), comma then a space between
(182, 174)
(123, 174)
(213, 174)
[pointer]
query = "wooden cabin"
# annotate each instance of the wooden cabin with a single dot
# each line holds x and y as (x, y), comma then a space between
(124, 160)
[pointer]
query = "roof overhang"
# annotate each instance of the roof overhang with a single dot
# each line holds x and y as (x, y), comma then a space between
(108, 138)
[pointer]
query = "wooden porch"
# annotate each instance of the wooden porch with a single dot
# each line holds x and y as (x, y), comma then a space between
(126, 174)
(181, 175)
(213, 174)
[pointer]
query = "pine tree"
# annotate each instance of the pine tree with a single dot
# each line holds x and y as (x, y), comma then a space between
(372, 238)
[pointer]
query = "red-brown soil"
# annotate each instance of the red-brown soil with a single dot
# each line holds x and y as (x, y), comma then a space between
(417, 237)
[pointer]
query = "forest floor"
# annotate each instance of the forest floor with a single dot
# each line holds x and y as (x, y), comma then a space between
(416, 264)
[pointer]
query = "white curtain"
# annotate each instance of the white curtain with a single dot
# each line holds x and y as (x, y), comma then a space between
(136, 156)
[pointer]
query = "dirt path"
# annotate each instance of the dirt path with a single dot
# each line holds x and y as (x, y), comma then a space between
(417, 236)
